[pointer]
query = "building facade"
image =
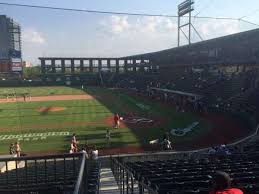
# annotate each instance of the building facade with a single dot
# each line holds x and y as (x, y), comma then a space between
(10, 45)
(27, 64)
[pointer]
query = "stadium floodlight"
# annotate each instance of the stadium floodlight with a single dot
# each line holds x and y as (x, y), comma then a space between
(185, 4)
(184, 8)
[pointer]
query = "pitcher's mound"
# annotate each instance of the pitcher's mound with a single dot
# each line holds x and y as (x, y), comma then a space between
(43, 109)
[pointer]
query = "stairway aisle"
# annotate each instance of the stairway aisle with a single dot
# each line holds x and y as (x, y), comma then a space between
(108, 184)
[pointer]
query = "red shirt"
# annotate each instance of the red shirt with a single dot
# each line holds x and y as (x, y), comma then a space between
(228, 191)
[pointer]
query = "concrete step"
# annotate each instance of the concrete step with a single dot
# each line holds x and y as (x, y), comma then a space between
(108, 184)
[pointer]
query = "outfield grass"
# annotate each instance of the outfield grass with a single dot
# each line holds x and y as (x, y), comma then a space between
(22, 118)
(40, 90)
(25, 114)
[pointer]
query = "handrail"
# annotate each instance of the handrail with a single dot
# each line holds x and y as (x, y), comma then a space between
(143, 185)
(80, 175)
(76, 168)
(124, 167)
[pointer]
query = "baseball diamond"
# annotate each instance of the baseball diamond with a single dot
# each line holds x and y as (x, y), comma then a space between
(89, 112)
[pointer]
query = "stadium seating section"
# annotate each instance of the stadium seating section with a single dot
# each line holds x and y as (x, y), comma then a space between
(233, 92)
(193, 175)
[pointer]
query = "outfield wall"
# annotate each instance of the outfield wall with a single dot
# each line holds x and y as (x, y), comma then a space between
(54, 80)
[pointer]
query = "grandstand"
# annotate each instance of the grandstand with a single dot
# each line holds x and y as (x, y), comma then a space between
(221, 78)
(80, 95)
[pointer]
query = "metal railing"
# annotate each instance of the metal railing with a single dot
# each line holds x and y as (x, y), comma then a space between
(126, 181)
(66, 172)
(81, 183)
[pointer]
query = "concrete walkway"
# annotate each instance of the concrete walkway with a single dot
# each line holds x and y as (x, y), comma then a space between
(108, 184)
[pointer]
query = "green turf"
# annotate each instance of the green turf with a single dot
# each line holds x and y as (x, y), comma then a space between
(85, 118)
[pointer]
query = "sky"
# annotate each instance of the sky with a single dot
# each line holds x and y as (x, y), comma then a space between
(49, 33)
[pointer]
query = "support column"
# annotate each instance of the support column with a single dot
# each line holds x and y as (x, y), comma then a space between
(237, 69)
(125, 66)
(134, 66)
(81, 65)
(117, 66)
(91, 65)
(149, 68)
(63, 70)
(142, 65)
(99, 65)
(244, 68)
(53, 68)
(43, 66)
(72, 66)
(109, 65)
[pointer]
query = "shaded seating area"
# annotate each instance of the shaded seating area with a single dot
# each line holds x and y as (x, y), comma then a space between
(194, 175)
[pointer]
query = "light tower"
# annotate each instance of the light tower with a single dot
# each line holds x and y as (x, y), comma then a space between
(184, 8)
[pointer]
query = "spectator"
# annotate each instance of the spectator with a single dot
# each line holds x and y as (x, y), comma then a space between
(95, 153)
(18, 149)
(84, 151)
(86, 146)
(222, 184)
(12, 149)
(223, 150)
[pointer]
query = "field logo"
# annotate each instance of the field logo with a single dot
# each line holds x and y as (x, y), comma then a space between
(143, 106)
(182, 132)
(33, 136)
(135, 120)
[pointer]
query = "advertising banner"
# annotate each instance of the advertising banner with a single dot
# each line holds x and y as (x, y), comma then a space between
(16, 66)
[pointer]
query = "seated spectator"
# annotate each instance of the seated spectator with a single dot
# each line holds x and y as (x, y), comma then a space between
(95, 153)
(223, 150)
(222, 184)
(84, 151)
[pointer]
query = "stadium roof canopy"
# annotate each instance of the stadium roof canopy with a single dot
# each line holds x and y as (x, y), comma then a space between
(240, 48)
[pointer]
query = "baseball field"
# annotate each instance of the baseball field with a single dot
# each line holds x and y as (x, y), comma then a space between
(45, 118)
